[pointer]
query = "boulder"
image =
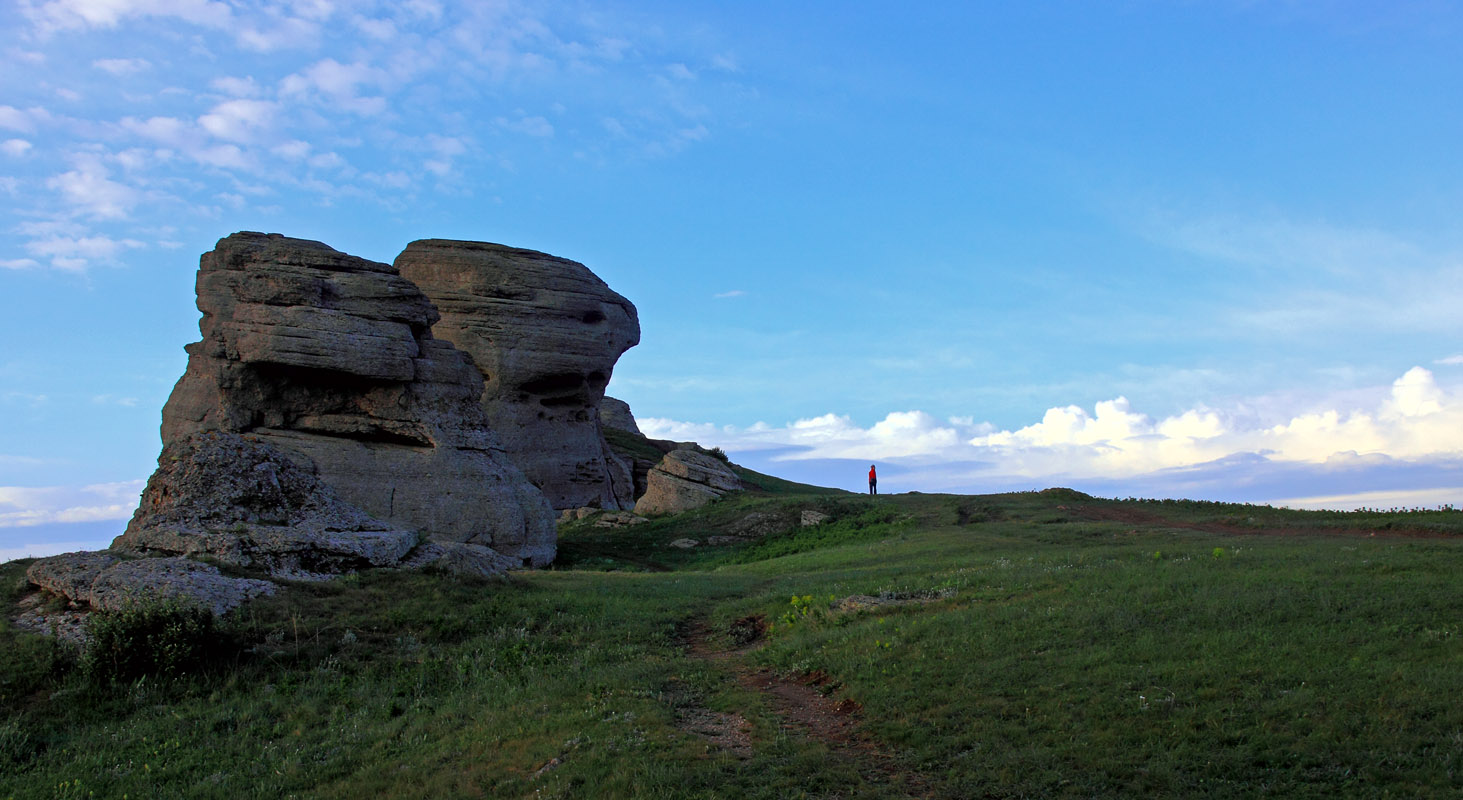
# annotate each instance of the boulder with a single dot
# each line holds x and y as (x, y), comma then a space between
(248, 504)
(616, 414)
(127, 582)
(685, 544)
(461, 559)
(683, 480)
(70, 575)
(811, 517)
(106, 583)
(546, 333)
(330, 359)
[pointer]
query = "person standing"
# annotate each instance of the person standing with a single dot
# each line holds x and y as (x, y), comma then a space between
(873, 480)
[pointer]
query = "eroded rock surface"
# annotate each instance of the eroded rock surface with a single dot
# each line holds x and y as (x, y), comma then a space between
(107, 583)
(330, 358)
(546, 333)
(683, 480)
(615, 413)
(249, 504)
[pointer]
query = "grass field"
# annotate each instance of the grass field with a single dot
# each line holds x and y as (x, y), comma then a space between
(1025, 645)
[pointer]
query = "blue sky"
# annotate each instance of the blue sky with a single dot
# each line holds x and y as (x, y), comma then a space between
(1204, 249)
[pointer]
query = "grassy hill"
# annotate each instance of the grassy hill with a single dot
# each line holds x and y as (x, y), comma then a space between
(1024, 645)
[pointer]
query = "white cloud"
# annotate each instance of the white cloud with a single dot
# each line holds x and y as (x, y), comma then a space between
(732, 293)
(27, 506)
(1412, 420)
(122, 66)
(70, 14)
(1451, 361)
(14, 119)
(280, 33)
(293, 150)
(238, 87)
(15, 147)
(337, 85)
(90, 190)
(70, 247)
(382, 30)
(18, 263)
(239, 120)
(170, 131)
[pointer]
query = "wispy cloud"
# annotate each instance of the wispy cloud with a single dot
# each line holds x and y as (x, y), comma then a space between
(122, 66)
(732, 293)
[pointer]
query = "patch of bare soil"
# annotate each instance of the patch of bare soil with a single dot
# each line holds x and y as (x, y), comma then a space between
(805, 709)
(1133, 516)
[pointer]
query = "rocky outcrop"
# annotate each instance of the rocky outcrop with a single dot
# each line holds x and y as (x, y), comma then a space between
(546, 333)
(614, 413)
(107, 583)
(247, 504)
(330, 359)
(683, 480)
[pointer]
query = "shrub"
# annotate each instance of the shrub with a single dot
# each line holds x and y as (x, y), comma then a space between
(154, 637)
(718, 453)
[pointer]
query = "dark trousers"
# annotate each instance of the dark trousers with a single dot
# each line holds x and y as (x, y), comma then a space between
(873, 487)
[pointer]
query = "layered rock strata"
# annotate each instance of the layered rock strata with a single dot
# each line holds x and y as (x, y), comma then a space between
(683, 480)
(546, 333)
(330, 358)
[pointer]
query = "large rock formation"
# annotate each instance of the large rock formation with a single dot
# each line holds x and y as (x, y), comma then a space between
(330, 359)
(546, 333)
(685, 479)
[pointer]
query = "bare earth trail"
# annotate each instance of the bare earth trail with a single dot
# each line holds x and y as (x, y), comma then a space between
(802, 709)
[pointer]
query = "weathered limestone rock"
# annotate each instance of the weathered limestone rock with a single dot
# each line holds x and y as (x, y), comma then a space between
(683, 480)
(70, 575)
(616, 414)
(129, 581)
(546, 333)
(811, 517)
(107, 583)
(685, 544)
(330, 359)
(461, 559)
(248, 504)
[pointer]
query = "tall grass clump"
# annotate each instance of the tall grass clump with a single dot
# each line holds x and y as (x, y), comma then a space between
(156, 637)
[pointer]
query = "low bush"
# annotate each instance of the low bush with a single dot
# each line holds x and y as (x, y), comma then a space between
(158, 637)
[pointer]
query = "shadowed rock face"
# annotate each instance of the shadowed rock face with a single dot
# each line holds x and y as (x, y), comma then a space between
(546, 333)
(330, 357)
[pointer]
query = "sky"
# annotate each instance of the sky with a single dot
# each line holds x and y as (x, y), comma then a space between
(1205, 249)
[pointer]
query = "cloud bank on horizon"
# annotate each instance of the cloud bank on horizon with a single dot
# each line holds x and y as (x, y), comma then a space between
(1411, 428)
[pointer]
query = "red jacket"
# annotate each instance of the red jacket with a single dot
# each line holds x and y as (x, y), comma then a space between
(872, 477)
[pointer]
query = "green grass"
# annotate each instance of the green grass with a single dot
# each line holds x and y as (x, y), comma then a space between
(1057, 648)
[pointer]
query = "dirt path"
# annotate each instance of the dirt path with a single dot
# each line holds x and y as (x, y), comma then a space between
(805, 710)
(1133, 516)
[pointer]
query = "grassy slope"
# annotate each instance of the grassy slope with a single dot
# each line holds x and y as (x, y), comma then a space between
(1068, 651)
